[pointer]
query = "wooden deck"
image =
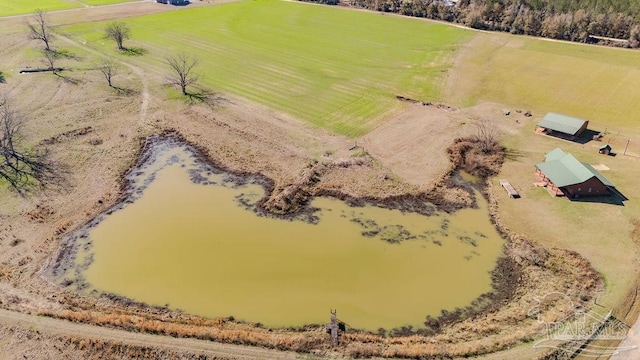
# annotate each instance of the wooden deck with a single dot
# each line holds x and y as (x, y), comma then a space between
(510, 190)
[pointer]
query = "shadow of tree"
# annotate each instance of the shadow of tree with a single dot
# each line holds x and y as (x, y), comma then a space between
(68, 79)
(57, 176)
(514, 154)
(124, 91)
(134, 51)
(3, 79)
(63, 53)
(203, 96)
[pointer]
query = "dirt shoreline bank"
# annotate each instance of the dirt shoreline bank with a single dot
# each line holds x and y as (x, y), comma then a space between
(135, 181)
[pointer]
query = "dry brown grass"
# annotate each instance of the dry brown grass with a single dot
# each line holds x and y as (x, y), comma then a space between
(18, 343)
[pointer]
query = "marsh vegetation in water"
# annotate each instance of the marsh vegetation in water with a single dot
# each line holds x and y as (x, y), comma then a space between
(189, 236)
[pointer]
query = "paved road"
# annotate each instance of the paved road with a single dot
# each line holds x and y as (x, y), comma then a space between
(63, 327)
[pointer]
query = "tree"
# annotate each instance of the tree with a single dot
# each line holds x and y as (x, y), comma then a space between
(19, 167)
(182, 65)
(487, 135)
(40, 29)
(118, 32)
(50, 58)
(109, 69)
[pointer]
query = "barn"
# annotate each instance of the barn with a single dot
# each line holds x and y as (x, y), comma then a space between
(562, 125)
(563, 174)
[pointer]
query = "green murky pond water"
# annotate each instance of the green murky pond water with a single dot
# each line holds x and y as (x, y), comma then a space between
(189, 238)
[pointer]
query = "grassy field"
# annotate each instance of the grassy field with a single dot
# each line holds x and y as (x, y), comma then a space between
(105, 2)
(21, 7)
(598, 230)
(8, 8)
(596, 83)
(334, 68)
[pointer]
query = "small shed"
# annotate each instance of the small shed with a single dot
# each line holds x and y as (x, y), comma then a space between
(605, 150)
(562, 124)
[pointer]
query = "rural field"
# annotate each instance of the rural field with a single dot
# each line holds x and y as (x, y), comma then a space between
(316, 101)
(338, 70)
(12, 8)
(9, 8)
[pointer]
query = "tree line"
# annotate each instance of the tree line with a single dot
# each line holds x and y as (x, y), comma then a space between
(581, 21)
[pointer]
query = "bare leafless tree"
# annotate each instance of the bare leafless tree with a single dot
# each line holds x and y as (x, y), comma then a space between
(20, 167)
(39, 29)
(118, 32)
(182, 66)
(49, 58)
(486, 134)
(109, 69)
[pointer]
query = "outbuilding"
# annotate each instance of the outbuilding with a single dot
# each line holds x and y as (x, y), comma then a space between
(605, 149)
(563, 174)
(562, 125)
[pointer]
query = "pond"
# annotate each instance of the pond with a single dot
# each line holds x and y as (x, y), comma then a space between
(189, 236)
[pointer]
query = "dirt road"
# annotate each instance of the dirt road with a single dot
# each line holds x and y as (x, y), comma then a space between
(223, 351)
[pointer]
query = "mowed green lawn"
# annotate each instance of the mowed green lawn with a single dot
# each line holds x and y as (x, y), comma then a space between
(105, 2)
(335, 68)
(19, 7)
(594, 82)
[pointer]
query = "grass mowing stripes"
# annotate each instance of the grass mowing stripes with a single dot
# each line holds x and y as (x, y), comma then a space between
(105, 2)
(335, 68)
(19, 7)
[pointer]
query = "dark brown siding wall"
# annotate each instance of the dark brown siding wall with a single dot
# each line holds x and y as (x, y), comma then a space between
(596, 186)
(583, 128)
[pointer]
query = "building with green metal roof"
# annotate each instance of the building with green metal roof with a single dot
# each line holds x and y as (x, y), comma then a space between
(563, 124)
(563, 174)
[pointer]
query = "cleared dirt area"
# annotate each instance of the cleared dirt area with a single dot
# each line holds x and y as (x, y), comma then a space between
(95, 134)
(411, 144)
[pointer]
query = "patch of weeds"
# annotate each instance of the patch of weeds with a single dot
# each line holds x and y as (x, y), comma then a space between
(445, 225)
(3, 78)
(468, 240)
(359, 152)
(395, 234)
(246, 201)
(365, 223)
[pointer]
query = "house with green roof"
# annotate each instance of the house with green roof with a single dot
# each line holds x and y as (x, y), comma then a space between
(563, 125)
(562, 174)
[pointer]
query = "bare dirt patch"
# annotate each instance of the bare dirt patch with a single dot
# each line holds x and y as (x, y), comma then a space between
(413, 143)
